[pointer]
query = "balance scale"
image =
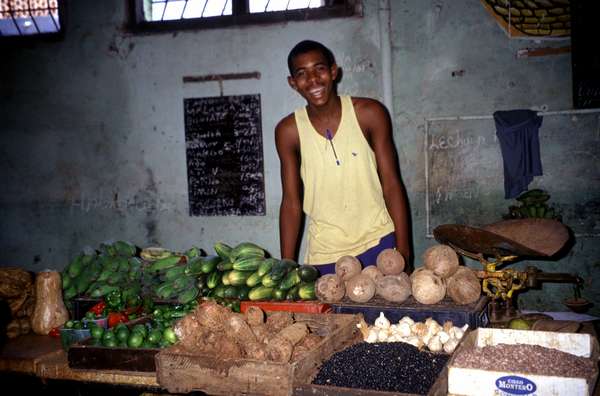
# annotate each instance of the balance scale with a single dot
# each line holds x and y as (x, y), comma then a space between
(500, 243)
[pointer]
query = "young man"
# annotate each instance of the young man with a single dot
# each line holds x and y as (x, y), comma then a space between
(339, 165)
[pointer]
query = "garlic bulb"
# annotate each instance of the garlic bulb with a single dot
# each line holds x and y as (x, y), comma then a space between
(373, 335)
(419, 329)
(408, 320)
(434, 344)
(433, 327)
(414, 341)
(444, 337)
(447, 326)
(451, 345)
(404, 330)
(383, 335)
(382, 322)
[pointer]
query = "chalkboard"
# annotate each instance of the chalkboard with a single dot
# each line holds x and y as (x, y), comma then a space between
(465, 179)
(223, 138)
(585, 57)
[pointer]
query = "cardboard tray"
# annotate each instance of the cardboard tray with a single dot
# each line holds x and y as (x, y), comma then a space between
(183, 373)
(477, 382)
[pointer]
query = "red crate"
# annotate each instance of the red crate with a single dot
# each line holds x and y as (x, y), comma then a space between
(296, 306)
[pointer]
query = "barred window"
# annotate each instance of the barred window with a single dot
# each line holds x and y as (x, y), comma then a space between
(181, 14)
(30, 17)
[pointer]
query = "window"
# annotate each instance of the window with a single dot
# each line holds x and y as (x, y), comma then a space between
(181, 14)
(30, 17)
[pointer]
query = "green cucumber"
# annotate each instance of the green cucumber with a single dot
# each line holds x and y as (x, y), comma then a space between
(260, 293)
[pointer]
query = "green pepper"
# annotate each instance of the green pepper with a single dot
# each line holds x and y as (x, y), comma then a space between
(114, 301)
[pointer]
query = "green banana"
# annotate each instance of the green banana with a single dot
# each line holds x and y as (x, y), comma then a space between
(164, 263)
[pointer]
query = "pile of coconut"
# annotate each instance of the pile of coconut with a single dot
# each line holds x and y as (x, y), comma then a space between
(440, 275)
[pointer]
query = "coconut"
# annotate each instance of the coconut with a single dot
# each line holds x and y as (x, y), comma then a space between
(394, 288)
(390, 262)
(347, 267)
(463, 287)
(330, 288)
(427, 287)
(441, 259)
(360, 289)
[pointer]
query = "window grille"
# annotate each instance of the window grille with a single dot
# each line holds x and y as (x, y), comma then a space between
(181, 14)
(30, 17)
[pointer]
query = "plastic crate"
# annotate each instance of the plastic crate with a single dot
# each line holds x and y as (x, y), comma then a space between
(475, 315)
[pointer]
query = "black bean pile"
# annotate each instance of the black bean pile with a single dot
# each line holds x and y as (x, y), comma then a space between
(532, 359)
(385, 366)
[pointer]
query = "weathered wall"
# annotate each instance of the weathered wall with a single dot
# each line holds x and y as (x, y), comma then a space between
(92, 138)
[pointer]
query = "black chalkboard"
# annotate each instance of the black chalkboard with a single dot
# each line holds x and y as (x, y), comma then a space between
(223, 138)
(585, 56)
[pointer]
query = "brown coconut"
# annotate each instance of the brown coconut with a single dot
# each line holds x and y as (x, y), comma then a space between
(394, 288)
(360, 289)
(441, 259)
(372, 272)
(427, 287)
(463, 287)
(390, 262)
(347, 267)
(330, 288)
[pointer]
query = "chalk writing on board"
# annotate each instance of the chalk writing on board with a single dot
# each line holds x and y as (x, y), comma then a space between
(465, 181)
(224, 152)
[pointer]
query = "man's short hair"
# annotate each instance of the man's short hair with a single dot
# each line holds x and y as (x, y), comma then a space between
(306, 46)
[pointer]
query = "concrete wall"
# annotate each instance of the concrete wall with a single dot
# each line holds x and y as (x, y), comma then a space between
(92, 143)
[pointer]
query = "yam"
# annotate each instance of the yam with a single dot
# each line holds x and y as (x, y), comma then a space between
(212, 315)
(427, 287)
(50, 310)
(347, 267)
(441, 259)
(261, 332)
(394, 288)
(390, 262)
(463, 287)
(239, 329)
(360, 289)
(278, 321)
(330, 288)
(294, 333)
(254, 316)
(372, 272)
(280, 350)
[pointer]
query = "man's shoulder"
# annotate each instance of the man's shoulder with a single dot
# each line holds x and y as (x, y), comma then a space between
(366, 104)
(286, 123)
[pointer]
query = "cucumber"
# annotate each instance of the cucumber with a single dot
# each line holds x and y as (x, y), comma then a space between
(308, 273)
(213, 280)
(247, 249)
(266, 266)
(254, 279)
(223, 250)
(194, 266)
(306, 291)
(290, 280)
(278, 295)
(260, 293)
(248, 263)
(243, 292)
(292, 294)
(238, 278)
(209, 263)
(175, 272)
(268, 281)
(164, 264)
(230, 292)
(279, 270)
(225, 278)
(188, 295)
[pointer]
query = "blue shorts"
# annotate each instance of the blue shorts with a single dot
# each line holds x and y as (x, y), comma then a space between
(366, 258)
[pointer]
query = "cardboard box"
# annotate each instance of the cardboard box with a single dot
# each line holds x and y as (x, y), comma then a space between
(479, 382)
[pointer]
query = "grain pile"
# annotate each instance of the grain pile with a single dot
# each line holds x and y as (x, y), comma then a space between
(530, 359)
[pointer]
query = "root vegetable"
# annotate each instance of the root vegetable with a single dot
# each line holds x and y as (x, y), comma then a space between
(261, 333)
(372, 272)
(50, 310)
(280, 350)
(254, 316)
(441, 259)
(330, 288)
(278, 321)
(390, 262)
(427, 287)
(212, 315)
(347, 267)
(395, 288)
(294, 333)
(464, 287)
(240, 330)
(360, 289)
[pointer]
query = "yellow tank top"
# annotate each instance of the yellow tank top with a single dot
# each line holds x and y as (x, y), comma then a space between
(344, 203)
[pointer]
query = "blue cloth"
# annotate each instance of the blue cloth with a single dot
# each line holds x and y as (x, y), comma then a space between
(518, 133)
(368, 257)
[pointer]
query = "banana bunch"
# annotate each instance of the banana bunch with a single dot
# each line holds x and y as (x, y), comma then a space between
(532, 204)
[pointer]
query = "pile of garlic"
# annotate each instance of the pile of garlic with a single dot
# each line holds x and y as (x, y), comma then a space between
(430, 333)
